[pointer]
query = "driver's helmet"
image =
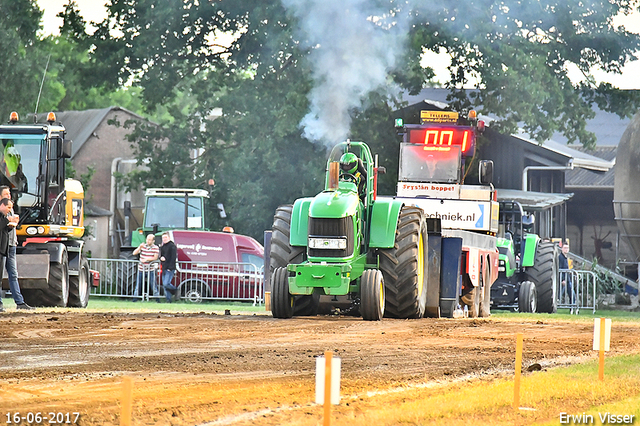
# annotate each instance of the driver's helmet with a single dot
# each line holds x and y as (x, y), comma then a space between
(349, 162)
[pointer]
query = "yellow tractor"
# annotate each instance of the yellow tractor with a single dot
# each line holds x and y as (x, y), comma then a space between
(52, 269)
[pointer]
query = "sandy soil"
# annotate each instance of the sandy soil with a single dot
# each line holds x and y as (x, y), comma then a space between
(197, 369)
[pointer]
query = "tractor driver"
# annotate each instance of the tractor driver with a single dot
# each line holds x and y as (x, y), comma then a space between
(351, 164)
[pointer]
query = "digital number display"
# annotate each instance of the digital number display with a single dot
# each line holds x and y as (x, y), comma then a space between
(440, 137)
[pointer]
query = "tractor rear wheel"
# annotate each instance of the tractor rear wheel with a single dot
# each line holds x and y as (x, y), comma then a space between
(283, 254)
(372, 295)
(79, 287)
(544, 274)
(405, 267)
(126, 273)
(527, 297)
(281, 299)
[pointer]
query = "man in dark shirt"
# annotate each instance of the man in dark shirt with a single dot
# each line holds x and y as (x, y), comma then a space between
(5, 207)
(10, 260)
(566, 288)
(168, 254)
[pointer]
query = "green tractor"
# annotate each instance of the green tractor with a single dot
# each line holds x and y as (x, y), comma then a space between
(346, 243)
(528, 266)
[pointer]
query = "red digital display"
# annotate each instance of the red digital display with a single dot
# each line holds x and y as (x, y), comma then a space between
(440, 137)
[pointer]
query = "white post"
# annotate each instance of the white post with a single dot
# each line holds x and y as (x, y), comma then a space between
(335, 380)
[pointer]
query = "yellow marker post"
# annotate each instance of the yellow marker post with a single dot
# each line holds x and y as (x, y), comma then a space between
(516, 382)
(126, 403)
(601, 349)
(328, 355)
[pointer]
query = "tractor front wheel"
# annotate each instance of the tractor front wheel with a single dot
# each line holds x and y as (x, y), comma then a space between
(281, 299)
(527, 297)
(79, 287)
(372, 295)
(57, 292)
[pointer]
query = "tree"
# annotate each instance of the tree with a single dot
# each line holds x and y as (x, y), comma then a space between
(520, 53)
(253, 149)
(73, 69)
(261, 78)
(50, 73)
(23, 63)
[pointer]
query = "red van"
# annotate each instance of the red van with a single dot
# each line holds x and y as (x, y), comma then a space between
(218, 265)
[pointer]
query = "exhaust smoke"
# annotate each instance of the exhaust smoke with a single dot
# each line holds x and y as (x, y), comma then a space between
(353, 45)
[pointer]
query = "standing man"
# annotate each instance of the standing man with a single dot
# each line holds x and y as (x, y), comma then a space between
(566, 289)
(5, 206)
(10, 262)
(149, 253)
(168, 253)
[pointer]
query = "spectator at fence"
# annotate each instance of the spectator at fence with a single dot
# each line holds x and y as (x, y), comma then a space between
(147, 267)
(168, 254)
(566, 287)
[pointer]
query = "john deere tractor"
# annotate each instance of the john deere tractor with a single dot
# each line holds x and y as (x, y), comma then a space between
(346, 243)
(528, 266)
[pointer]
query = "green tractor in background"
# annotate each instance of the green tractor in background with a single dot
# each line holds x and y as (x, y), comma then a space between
(528, 266)
(346, 243)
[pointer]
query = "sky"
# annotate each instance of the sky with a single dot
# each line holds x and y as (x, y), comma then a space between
(93, 10)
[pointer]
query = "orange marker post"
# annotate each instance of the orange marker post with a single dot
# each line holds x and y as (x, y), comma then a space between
(516, 382)
(126, 403)
(601, 349)
(328, 358)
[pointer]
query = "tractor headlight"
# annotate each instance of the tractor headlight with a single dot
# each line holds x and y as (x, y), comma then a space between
(501, 266)
(32, 230)
(328, 243)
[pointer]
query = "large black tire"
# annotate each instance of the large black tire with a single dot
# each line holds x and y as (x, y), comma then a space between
(405, 267)
(281, 299)
(527, 297)
(57, 293)
(283, 254)
(372, 295)
(544, 274)
(79, 289)
(126, 273)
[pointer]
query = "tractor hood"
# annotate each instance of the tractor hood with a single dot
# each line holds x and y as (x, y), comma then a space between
(342, 202)
(505, 243)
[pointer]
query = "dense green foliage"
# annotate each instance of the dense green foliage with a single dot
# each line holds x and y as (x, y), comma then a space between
(230, 82)
(50, 71)
(521, 51)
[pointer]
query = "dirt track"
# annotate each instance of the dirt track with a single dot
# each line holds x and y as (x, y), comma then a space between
(192, 369)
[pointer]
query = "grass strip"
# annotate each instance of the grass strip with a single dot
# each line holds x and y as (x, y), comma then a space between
(105, 304)
(545, 395)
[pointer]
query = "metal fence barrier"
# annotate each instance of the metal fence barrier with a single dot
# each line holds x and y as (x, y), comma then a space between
(576, 290)
(196, 281)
